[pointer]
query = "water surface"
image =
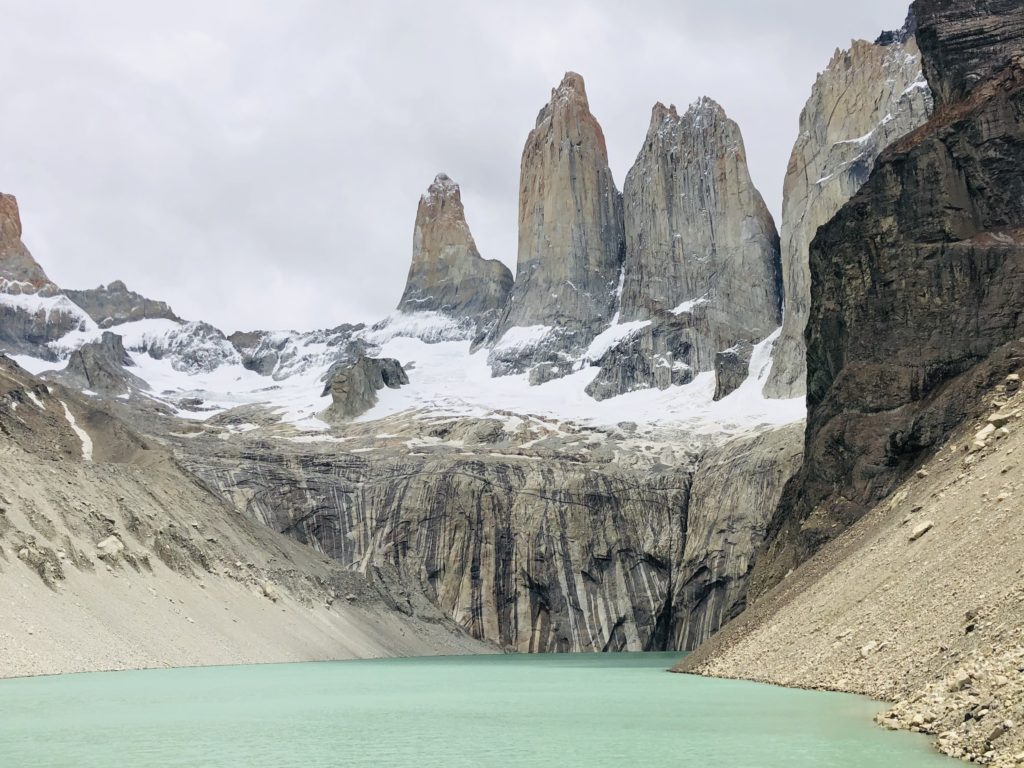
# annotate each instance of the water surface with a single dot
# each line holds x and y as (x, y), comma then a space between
(619, 710)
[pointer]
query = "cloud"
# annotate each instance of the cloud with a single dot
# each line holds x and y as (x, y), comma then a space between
(257, 164)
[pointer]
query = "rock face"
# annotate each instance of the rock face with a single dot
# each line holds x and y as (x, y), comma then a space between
(867, 97)
(655, 356)
(917, 285)
(100, 367)
(731, 368)
(571, 240)
(523, 541)
(732, 499)
(114, 304)
(699, 239)
(33, 312)
(448, 274)
(353, 386)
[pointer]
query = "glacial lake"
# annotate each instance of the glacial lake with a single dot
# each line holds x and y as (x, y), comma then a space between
(620, 710)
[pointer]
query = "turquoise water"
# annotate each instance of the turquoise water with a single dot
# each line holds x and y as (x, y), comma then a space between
(619, 710)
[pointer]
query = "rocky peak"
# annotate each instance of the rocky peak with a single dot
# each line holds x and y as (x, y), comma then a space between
(114, 304)
(19, 272)
(966, 42)
(571, 240)
(701, 245)
(868, 96)
(448, 274)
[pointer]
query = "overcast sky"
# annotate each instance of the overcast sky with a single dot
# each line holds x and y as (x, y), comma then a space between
(257, 163)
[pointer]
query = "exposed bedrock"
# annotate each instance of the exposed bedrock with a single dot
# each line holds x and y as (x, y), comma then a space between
(572, 552)
(101, 367)
(353, 385)
(448, 274)
(867, 97)
(33, 312)
(699, 239)
(114, 304)
(571, 240)
(917, 288)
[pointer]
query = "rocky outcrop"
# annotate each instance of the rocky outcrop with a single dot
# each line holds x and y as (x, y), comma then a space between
(33, 312)
(353, 386)
(731, 368)
(571, 240)
(114, 304)
(699, 239)
(448, 274)
(867, 97)
(732, 499)
(917, 285)
(657, 355)
(101, 367)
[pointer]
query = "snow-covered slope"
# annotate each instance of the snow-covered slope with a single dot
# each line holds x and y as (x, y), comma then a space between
(194, 369)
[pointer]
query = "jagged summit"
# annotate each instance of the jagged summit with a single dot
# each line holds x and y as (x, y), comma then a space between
(447, 273)
(19, 272)
(571, 240)
(114, 303)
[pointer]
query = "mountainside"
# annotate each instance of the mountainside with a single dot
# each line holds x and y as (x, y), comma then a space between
(867, 97)
(114, 304)
(104, 538)
(571, 240)
(701, 270)
(447, 274)
(33, 312)
(915, 285)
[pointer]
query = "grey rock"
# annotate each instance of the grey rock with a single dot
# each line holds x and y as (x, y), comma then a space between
(100, 366)
(448, 274)
(571, 240)
(659, 355)
(732, 499)
(699, 239)
(353, 386)
(867, 97)
(731, 368)
(114, 304)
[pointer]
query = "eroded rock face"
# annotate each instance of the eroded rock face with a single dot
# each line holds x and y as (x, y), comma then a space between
(101, 367)
(917, 285)
(659, 355)
(448, 274)
(731, 368)
(19, 272)
(33, 312)
(114, 304)
(867, 97)
(699, 238)
(571, 240)
(353, 386)
(732, 499)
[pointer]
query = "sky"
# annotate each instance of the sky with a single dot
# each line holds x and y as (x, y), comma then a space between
(257, 164)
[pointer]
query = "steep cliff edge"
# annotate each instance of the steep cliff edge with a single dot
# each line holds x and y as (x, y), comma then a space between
(571, 240)
(701, 272)
(447, 273)
(33, 312)
(916, 284)
(867, 97)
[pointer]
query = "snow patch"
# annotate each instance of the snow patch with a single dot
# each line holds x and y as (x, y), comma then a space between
(82, 434)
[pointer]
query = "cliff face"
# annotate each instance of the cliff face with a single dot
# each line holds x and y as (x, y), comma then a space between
(699, 238)
(702, 254)
(571, 238)
(33, 312)
(867, 97)
(114, 304)
(448, 274)
(917, 285)
(536, 543)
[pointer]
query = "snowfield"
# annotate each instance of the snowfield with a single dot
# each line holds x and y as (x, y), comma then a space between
(194, 361)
